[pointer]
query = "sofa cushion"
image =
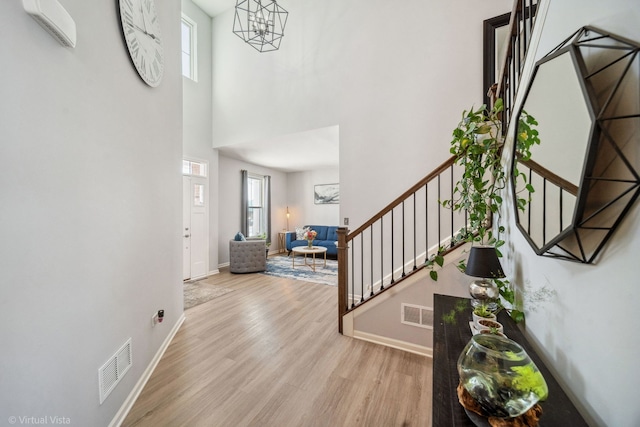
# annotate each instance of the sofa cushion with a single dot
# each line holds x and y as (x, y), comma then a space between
(321, 230)
(332, 233)
(239, 237)
(332, 248)
(300, 232)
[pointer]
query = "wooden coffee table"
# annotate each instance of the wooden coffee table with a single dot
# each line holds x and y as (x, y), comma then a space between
(305, 250)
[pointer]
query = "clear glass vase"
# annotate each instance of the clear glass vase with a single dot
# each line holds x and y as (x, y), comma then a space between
(310, 244)
(500, 376)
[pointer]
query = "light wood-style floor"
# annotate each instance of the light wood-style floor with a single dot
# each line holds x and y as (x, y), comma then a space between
(269, 354)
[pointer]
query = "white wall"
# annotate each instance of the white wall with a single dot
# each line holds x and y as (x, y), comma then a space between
(303, 210)
(586, 331)
(382, 317)
(230, 206)
(197, 129)
(390, 74)
(90, 212)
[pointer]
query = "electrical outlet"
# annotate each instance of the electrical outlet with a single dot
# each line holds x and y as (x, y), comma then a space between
(157, 317)
(346, 221)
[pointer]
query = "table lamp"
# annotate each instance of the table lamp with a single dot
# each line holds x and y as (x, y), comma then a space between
(483, 263)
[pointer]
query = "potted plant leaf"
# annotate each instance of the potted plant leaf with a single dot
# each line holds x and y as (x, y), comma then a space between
(482, 311)
(490, 325)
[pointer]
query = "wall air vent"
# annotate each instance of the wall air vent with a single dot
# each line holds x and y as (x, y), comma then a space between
(416, 315)
(110, 374)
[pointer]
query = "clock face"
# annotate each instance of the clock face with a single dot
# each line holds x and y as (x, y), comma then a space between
(141, 30)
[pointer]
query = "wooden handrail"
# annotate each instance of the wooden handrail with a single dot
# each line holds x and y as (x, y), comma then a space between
(513, 31)
(519, 36)
(551, 177)
(346, 244)
(424, 181)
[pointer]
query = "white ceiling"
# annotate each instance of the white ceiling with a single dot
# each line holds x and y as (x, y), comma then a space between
(214, 7)
(310, 150)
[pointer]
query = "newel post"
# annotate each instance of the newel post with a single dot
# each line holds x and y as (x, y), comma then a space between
(343, 274)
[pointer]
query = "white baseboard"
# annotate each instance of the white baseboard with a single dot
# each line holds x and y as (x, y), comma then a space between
(347, 324)
(137, 389)
(223, 265)
(204, 276)
(393, 343)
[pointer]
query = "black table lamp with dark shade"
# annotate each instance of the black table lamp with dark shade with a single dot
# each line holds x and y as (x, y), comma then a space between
(483, 263)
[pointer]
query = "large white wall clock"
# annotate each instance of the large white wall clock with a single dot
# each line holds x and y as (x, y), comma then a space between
(141, 30)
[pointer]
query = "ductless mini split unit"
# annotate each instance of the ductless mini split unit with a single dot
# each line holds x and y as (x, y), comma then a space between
(54, 18)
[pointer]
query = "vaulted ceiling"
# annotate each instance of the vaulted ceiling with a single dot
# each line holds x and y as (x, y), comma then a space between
(214, 7)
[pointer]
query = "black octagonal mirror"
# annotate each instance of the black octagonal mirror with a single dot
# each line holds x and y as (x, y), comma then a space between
(585, 98)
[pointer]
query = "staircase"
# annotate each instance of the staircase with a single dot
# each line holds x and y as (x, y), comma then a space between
(394, 244)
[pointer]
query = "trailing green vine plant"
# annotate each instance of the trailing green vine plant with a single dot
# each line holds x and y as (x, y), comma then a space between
(477, 146)
(527, 137)
(437, 259)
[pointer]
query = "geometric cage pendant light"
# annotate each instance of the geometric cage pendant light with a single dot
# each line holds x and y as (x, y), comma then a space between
(260, 23)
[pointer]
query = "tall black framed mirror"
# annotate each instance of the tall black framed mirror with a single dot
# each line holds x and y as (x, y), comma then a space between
(495, 33)
(585, 98)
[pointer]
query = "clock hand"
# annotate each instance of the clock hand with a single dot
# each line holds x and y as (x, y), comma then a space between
(153, 36)
(144, 21)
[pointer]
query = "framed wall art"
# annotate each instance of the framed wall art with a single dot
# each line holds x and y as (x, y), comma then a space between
(326, 194)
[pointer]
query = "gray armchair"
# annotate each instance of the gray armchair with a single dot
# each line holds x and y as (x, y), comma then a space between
(247, 256)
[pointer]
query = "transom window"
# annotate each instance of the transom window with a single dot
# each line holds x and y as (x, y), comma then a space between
(195, 168)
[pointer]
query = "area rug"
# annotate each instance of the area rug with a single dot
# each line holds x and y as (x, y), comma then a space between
(196, 293)
(280, 266)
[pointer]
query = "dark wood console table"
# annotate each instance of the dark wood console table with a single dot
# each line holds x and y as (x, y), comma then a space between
(449, 341)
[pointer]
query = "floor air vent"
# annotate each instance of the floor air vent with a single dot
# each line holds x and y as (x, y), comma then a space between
(110, 374)
(417, 315)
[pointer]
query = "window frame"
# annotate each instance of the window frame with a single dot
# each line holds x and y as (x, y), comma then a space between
(262, 229)
(193, 47)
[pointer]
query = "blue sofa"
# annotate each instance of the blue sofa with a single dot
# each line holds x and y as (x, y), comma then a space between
(327, 237)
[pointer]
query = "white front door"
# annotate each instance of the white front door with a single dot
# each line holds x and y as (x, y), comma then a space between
(195, 227)
(186, 228)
